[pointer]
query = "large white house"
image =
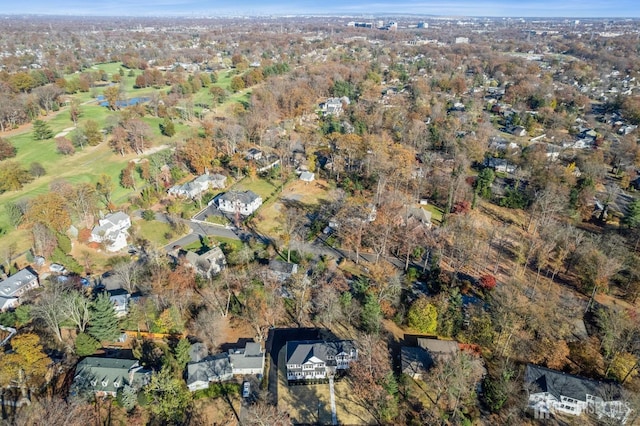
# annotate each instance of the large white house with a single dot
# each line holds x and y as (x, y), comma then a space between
(199, 185)
(112, 231)
(308, 360)
(233, 202)
(552, 391)
(15, 286)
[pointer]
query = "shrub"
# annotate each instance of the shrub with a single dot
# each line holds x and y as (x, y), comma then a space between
(148, 215)
(488, 282)
(86, 345)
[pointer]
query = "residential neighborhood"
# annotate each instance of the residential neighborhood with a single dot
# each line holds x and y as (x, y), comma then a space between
(334, 218)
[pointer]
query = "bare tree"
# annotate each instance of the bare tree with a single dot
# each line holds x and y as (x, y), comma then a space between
(50, 309)
(76, 307)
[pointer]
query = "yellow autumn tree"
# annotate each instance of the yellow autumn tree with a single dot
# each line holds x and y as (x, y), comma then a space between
(27, 365)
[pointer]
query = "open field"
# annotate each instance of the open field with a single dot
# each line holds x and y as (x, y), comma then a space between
(295, 191)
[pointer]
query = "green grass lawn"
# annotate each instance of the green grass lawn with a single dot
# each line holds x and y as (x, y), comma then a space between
(436, 213)
(156, 232)
(260, 186)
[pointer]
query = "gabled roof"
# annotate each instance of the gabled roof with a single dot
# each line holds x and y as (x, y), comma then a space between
(100, 374)
(299, 352)
(15, 282)
(441, 349)
(245, 197)
(251, 356)
(559, 384)
(209, 369)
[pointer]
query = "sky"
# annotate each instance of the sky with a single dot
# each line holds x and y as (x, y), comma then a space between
(511, 8)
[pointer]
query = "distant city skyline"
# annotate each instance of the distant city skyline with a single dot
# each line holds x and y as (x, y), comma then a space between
(495, 8)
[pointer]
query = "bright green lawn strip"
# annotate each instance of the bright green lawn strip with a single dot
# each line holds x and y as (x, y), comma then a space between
(436, 213)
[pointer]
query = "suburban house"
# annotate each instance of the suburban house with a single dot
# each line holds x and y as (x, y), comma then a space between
(417, 214)
(247, 360)
(199, 185)
(120, 299)
(253, 154)
(206, 264)
(112, 231)
(15, 286)
(233, 202)
(333, 106)
(280, 270)
(416, 360)
(500, 165)
(215, 368)
(552, 391)
(104, 376)
(318, 359)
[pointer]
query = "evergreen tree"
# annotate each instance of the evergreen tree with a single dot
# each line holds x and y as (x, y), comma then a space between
(86, 345)
(181, 352)
(127, 397)
(371, 314)
(104, 323)
(41, 130)
(167, 127)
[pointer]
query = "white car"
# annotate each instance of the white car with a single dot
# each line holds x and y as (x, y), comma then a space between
(57, 268)
(246, 389)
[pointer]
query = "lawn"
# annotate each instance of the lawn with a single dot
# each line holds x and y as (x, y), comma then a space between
(156, 232)
(260, 186)
(436, 213)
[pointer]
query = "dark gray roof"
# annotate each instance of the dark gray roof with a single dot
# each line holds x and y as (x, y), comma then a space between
(251, 356)
(415, 360)
(245, 197)
(299, 352)
(282, 267)
(99, 374)
(558, 384)
(213, 368)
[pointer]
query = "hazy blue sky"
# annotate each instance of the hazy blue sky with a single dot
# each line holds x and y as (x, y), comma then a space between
(515, 8)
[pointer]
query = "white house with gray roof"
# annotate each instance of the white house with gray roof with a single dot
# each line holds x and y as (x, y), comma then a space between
(245, 202)
(308, 360)
(552, 391)
(215, 368)
(112, 231)
(199, 185)
(247, 360)
(15, 286)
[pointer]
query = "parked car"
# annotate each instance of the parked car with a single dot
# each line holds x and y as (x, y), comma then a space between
(57, 268)
(246, 389)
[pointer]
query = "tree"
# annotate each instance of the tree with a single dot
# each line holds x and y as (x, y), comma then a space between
(50, 309)
(77, 308)
(51, 210)
(170, 400)
(92, 132)
(127, 397)
(41, 130)
(181, 352)
(64, 146)
(167, 127)
(13, 176)
(423, 316)
(16, 211)
(26, 365)
(632, 217)
(37, 170)
(104, 322)
(127, 176)
(487, 282)
(112, 95)
(237, 84)
(371, 315)
(86, 345)
(7, 150)
(104, 187)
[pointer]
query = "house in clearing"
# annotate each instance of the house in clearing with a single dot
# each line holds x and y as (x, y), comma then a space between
(416, 360)
(233, 202)
(247, 360)
(309, 360)
(104, 376)
(206, 264)
(552, 391)
(214, 368)
(112, 231)
(15, 286)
